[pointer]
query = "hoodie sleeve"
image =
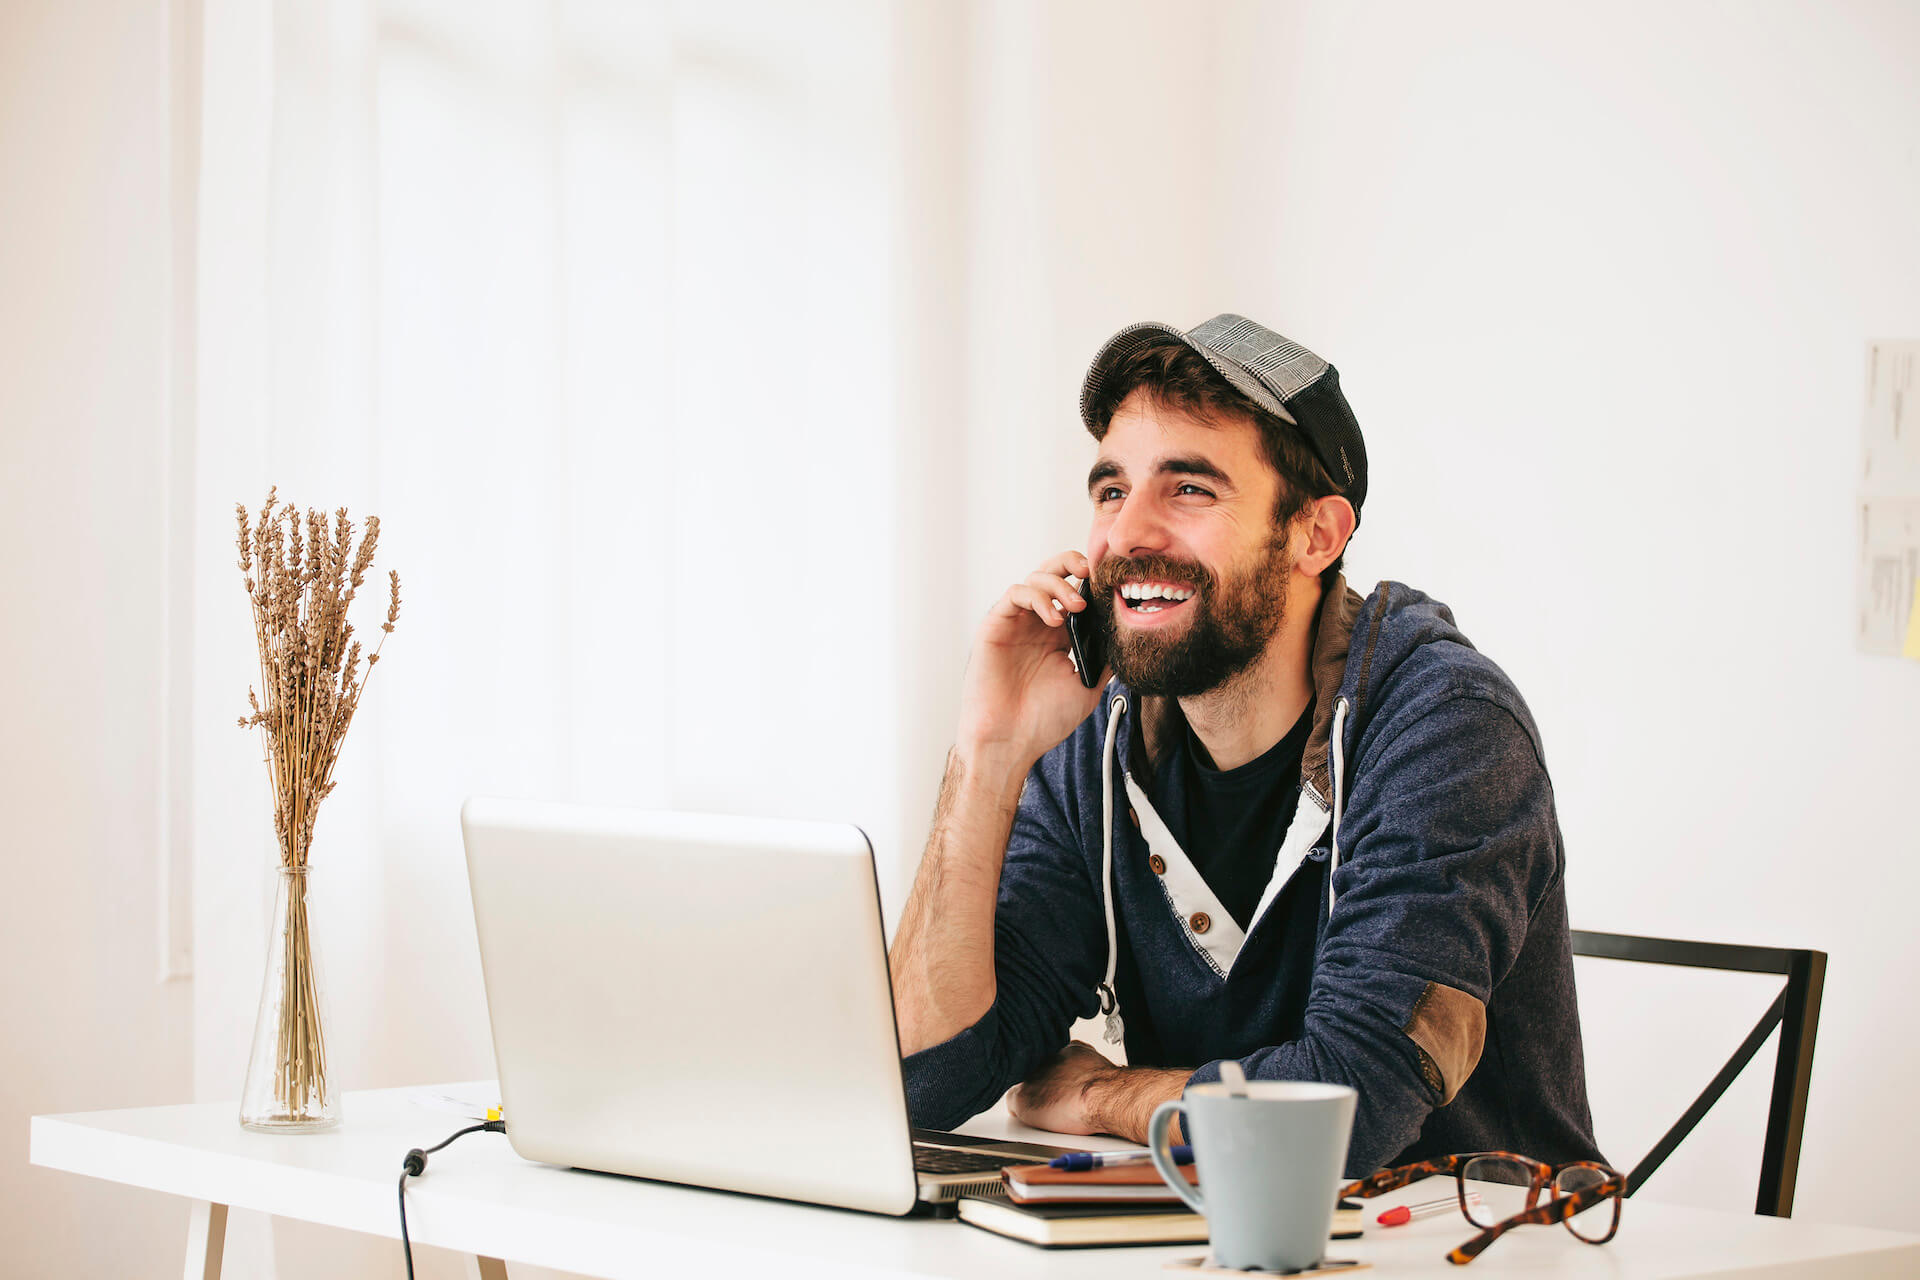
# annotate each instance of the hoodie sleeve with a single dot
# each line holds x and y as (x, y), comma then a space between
(1049, 929)
(1448, 844)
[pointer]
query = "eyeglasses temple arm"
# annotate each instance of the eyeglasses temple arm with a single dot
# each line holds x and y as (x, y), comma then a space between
(1556, 1210)
(1381, 1181)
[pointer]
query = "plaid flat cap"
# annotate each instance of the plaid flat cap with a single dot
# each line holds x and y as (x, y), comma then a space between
(1279, 375)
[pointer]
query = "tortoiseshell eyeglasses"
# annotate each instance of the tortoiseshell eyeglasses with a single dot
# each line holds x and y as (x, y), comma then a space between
(1584, 1195)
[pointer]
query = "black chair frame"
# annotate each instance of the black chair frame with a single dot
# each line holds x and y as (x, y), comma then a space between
(1796, 1011)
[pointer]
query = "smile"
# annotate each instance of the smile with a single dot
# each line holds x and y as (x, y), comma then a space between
(1153, 597)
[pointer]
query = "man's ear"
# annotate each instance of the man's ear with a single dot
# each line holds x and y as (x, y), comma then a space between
(1329, 523)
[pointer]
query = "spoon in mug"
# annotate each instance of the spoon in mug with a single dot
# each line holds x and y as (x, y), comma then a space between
(1234, 1078)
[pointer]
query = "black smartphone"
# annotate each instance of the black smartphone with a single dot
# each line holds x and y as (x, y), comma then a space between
(1083, 637)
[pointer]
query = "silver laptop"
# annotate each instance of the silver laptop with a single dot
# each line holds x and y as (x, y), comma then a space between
(706, 1000)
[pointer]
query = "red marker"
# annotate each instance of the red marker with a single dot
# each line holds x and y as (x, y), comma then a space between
(1426, 1209)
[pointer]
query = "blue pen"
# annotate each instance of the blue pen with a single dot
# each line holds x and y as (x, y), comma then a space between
(1081, 1161)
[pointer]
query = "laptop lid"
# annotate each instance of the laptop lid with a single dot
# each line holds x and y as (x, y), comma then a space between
(692, 997)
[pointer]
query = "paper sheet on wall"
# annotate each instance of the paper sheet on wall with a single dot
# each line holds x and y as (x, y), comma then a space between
(1889, 564)
(1888, 591)
(1912, 649)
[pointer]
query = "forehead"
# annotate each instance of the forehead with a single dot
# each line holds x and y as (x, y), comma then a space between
(1143, 430)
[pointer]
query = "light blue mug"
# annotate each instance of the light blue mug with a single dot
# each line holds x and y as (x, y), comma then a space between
(1269, 1160)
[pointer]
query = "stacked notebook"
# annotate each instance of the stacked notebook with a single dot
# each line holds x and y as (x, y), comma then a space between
(1124, 1204)
(1115, 1184)
(1068, 1226)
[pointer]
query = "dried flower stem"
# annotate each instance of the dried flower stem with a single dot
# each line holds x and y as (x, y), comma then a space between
(301, 576)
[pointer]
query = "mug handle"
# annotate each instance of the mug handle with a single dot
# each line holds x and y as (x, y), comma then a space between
(1162, 1153)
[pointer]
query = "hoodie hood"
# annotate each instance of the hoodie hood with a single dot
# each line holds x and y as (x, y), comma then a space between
(1358, 646)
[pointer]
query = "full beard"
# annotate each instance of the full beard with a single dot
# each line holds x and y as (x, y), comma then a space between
(1233, 621)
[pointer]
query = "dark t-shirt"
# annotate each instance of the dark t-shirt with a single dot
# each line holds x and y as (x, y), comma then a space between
(1231, 821)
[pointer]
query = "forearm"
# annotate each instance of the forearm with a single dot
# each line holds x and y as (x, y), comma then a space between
(942, 956)
(1120, 1100)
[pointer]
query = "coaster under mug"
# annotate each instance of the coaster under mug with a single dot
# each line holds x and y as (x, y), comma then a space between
(1326, 1267)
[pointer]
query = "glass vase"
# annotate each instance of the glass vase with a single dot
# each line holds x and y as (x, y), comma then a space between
(288, 1087)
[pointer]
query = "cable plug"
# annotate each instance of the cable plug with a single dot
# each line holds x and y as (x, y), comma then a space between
(416, 1164)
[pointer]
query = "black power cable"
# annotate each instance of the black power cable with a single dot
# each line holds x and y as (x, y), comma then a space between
(416, 1164)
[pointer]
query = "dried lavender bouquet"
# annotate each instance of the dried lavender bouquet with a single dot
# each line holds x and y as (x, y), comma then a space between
(301, 577)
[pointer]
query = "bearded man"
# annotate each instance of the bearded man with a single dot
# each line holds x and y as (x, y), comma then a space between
(1302, 830)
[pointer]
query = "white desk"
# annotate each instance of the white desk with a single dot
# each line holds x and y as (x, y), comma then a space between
(478, 1198)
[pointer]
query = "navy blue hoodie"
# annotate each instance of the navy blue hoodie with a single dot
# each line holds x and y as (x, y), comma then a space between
(1412, 942)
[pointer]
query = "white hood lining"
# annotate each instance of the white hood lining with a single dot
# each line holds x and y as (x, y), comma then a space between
(1185, 888)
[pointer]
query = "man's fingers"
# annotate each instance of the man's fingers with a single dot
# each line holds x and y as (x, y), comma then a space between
(1045, 592)
(1055, 587)
(1020, 598)
(1039, 603)
(1068, 564)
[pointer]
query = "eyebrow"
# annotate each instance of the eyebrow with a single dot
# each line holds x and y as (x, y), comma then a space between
(1186, 464)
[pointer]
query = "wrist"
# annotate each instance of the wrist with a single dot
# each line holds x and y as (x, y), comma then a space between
(990, 769)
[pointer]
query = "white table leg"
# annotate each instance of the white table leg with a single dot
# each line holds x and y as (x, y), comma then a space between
(483, 1268)
(206, 1240)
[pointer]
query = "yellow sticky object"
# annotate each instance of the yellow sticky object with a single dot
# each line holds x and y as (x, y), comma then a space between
(1912, 647)
(493, 1113)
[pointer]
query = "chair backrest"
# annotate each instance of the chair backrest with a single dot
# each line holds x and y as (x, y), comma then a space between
(1796, 1011)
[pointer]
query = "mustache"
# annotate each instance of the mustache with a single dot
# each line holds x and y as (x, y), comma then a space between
(1112, 571)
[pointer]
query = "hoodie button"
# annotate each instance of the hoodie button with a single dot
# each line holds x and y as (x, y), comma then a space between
(1158, 863)
(1133, 817)
(1200, 921)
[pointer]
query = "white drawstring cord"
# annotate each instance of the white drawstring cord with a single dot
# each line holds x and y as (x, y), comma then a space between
(1109, 1002)
(1339, 767)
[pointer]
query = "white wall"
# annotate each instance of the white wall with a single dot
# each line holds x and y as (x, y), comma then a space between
(1600, 283)
(85, 304)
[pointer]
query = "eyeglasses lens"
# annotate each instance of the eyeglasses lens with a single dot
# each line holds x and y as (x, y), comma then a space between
(1597, 1222)
(1506, 1193)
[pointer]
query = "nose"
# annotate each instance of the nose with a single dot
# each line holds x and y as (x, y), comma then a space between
(1139, 528)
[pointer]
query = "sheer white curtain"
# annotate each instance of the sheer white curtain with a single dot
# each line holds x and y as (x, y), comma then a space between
(592, 304)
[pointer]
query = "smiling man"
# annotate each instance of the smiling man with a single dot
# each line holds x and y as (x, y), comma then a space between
(1302, 830)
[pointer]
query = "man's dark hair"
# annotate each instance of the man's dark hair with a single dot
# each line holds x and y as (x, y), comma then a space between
(1175, 376)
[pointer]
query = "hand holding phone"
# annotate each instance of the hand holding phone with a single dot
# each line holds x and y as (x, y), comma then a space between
(1022, 693)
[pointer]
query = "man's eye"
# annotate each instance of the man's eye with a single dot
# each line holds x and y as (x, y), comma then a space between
(1107, 494)
(1195, 488)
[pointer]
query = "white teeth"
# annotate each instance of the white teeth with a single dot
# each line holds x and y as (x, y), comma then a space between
(1154, 591)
